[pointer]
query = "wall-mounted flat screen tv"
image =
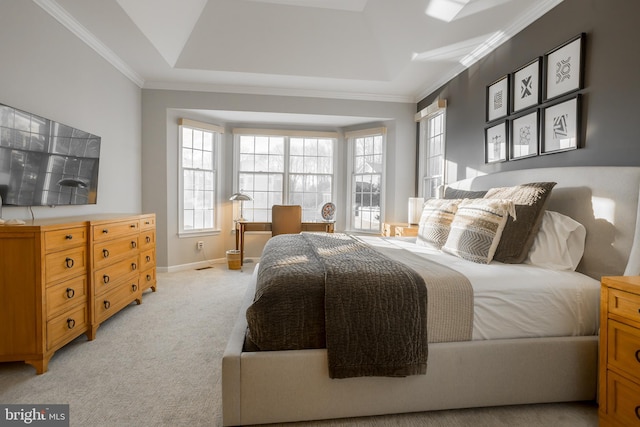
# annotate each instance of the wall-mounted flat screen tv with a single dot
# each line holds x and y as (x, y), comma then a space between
(46, 163)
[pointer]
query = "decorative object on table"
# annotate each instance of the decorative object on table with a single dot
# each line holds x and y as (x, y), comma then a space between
(495, 143)
(561, 129)
(526, 86)
(564, 68)
(240, 197)
(524, 136)
(328, 211)
(415, 209)
(498, 99)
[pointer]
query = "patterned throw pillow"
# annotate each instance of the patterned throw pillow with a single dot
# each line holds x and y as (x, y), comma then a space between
(435, 222)
(477, 227)
(530, 201)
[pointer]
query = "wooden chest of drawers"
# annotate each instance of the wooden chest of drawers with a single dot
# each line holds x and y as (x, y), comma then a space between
(62, 277)
(619, 394)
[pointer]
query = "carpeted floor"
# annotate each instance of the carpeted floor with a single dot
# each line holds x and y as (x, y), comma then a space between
(158, 364)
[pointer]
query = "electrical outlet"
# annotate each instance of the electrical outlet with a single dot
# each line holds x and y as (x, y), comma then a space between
(200, 245)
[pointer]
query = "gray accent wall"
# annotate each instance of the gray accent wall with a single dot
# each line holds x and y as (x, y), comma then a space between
(611, 94)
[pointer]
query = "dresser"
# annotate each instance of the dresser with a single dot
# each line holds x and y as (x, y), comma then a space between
(56, 274)
(619, 376)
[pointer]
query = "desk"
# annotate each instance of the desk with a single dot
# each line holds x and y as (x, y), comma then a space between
(242, 226)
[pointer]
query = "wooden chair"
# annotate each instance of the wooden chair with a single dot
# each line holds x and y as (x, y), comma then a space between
(286, 219)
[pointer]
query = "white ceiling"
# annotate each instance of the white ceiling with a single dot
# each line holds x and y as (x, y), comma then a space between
(387, 50)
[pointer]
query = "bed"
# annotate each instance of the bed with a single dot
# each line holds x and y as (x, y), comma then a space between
(499, 365)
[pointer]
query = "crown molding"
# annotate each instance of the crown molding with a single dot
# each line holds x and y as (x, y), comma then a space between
(61, 15)
(520, 23)
(279, 91)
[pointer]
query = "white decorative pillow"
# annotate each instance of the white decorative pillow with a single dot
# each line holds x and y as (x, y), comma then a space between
(477, 227)
(435, 222)
(559, 245)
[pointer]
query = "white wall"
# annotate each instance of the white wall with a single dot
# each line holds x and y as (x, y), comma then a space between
(160, 112)
(48, 71)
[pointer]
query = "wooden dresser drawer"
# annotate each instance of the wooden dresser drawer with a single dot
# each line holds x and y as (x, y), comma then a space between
(148, 279)
(147, 239)
(113, 301)
(66, 294)
(148, 259)
(112, 230)
(623, 400)
(107, 252)
(56, 240)
(69, 263)
(148, 222)
(624, 304)
(111, 276)
(66, 326)
(624, 348)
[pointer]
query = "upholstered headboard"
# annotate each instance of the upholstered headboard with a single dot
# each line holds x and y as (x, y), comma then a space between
(603, 198)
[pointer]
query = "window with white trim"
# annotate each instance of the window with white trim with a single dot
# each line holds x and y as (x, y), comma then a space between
(290, 167)
(432, 149)
(366, 165)
(198, 176)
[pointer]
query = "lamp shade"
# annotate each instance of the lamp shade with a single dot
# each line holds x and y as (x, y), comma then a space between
(415, 209)
(239, 197)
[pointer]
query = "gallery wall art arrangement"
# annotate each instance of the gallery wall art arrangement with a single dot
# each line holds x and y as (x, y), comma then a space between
(535, 110)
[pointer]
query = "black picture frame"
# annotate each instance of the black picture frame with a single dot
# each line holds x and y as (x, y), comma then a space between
(497, 101)
(561, 125)
(526, 85)
(564, 68)
(496, 142)
(524, 135)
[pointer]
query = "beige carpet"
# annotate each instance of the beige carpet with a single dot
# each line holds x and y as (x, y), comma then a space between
(158, 364)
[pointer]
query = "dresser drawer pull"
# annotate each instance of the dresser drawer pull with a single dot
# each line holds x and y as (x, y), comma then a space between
(148, 258)
(148, 277)
(71, 323)
(71, 293)
(133, 225)
(134, 287)
(148, 239)
(638, 356)
(134, 266)
(105, 231)
(638, 412)
(147, 222)
(68, 237)
(105, 253)
(69, 262)
(134, 245)
(105, 279)
(107, 304)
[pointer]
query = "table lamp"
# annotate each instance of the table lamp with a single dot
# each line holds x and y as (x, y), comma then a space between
(240, 198)
(415, 209)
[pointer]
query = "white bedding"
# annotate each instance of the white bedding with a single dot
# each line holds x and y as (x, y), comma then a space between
(519, 300)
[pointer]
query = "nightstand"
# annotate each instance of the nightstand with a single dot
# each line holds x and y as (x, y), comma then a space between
(399, 229)
(619, 375)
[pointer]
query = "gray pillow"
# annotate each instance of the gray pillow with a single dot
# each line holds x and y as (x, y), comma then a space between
(454, 193)
(517, 237)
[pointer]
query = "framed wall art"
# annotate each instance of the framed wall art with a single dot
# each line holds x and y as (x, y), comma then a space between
(561, 126)
(498, 99)
(495, 143)
(524, 136)
(564, 68)
(526, 85)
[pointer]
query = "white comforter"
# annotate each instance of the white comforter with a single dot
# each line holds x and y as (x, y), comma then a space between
(520, 300)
